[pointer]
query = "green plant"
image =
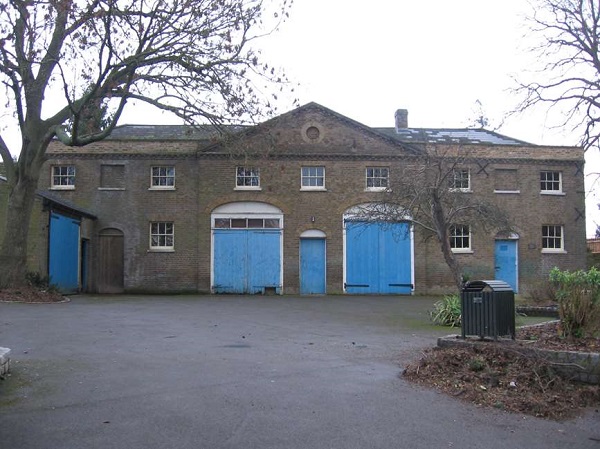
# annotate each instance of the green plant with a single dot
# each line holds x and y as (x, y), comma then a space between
(578, 295)
(446, 312)
(477, 364)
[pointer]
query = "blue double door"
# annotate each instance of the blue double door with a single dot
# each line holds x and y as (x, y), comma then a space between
(247, 261)
(63, 252)
(378, 258)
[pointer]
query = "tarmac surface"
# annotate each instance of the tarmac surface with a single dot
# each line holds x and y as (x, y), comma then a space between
(144, 372)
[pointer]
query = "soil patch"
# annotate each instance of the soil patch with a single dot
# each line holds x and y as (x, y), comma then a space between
(504, 378)
(30, 295)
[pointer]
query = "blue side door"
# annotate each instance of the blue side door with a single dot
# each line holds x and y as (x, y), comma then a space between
(378, 258)
(246, 261)
(312, 266)
(505, 256)
(63, 252)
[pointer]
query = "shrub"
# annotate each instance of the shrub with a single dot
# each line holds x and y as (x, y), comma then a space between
(39, 282)
(446, 312)
(578, 295)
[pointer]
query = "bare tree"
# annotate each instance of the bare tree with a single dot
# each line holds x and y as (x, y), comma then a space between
(568, 36)
(431, 193)
(69, 67)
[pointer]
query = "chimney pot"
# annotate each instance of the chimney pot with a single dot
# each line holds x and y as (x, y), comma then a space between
(401, 117)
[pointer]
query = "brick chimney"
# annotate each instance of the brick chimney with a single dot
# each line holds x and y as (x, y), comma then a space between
(401, 117)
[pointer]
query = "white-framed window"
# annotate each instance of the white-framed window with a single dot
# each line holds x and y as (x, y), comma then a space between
(551, 182)
(553, 238)
(378, 178)
(247, 178)
(460, 180)
(63, 177)
(313, 178)
(162, 177)
(460, 238)
(162, 236)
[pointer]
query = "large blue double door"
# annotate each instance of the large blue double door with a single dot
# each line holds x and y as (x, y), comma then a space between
(63, 252)
(378, 258)
(247, 261)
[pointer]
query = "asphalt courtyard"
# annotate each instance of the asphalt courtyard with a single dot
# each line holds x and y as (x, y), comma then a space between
(144, 372)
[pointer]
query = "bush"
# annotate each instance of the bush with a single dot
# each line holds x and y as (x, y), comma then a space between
(578, 295)
(446, 312)
(39, 282)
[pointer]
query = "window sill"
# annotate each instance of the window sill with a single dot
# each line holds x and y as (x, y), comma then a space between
(62, 188)
(161, 250)
(377, 189)
(462, 251)
(552, 193)
(313, 189)
(553, 251)
(507, 192)
(111, 188)
(248, 188)
(461, 190)
(162, 188)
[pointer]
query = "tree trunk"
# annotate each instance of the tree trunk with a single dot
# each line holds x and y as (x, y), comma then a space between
(442, 234)
(13, 252)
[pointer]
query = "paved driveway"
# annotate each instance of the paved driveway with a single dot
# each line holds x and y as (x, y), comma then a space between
(240, 372)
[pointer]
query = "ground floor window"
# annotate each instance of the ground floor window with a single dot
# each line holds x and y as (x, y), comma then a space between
(552, 238)
(162, 235)
(460, 238)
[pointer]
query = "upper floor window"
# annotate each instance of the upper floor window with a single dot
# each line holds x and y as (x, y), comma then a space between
(378, 178)
(162, 235)
(63, 177)
(460, 238)
(247, 178)
(551, 182)
(162, 177)
(552, 238)
(461, 180)
(313, 178)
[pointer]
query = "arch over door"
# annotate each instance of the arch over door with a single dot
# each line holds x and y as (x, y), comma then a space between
(110, 261)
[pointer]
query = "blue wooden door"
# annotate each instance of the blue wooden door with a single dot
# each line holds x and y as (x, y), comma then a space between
(312, 266)
(378, 258)
(506, 262)
(63, 252)
(246, 261)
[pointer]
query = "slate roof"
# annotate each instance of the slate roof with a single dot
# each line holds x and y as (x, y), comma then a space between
(172, 132)
(449, 135)
(64, 204)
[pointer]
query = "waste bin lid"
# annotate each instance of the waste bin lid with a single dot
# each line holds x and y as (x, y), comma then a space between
(493, 285)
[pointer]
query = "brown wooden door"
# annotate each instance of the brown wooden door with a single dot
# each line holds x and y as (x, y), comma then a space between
(110, 261)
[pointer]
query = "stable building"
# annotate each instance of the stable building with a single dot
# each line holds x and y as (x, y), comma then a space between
(272, 208)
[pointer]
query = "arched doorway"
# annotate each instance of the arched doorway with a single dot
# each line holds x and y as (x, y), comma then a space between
(378, 251)
(247, 248)
(312, 263)
(506, 259)
(110, 261)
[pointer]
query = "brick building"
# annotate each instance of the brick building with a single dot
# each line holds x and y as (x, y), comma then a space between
(271, 208)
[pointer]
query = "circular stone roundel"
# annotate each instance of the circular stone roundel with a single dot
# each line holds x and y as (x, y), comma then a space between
(312, 132)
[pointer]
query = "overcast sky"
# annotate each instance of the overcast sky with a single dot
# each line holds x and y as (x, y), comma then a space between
(436, 58)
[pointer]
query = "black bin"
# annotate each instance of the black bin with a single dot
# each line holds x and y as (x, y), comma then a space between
(488, 309)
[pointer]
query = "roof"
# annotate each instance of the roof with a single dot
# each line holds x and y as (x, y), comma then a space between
(64, 204)
(450, 135)
(172, 132)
